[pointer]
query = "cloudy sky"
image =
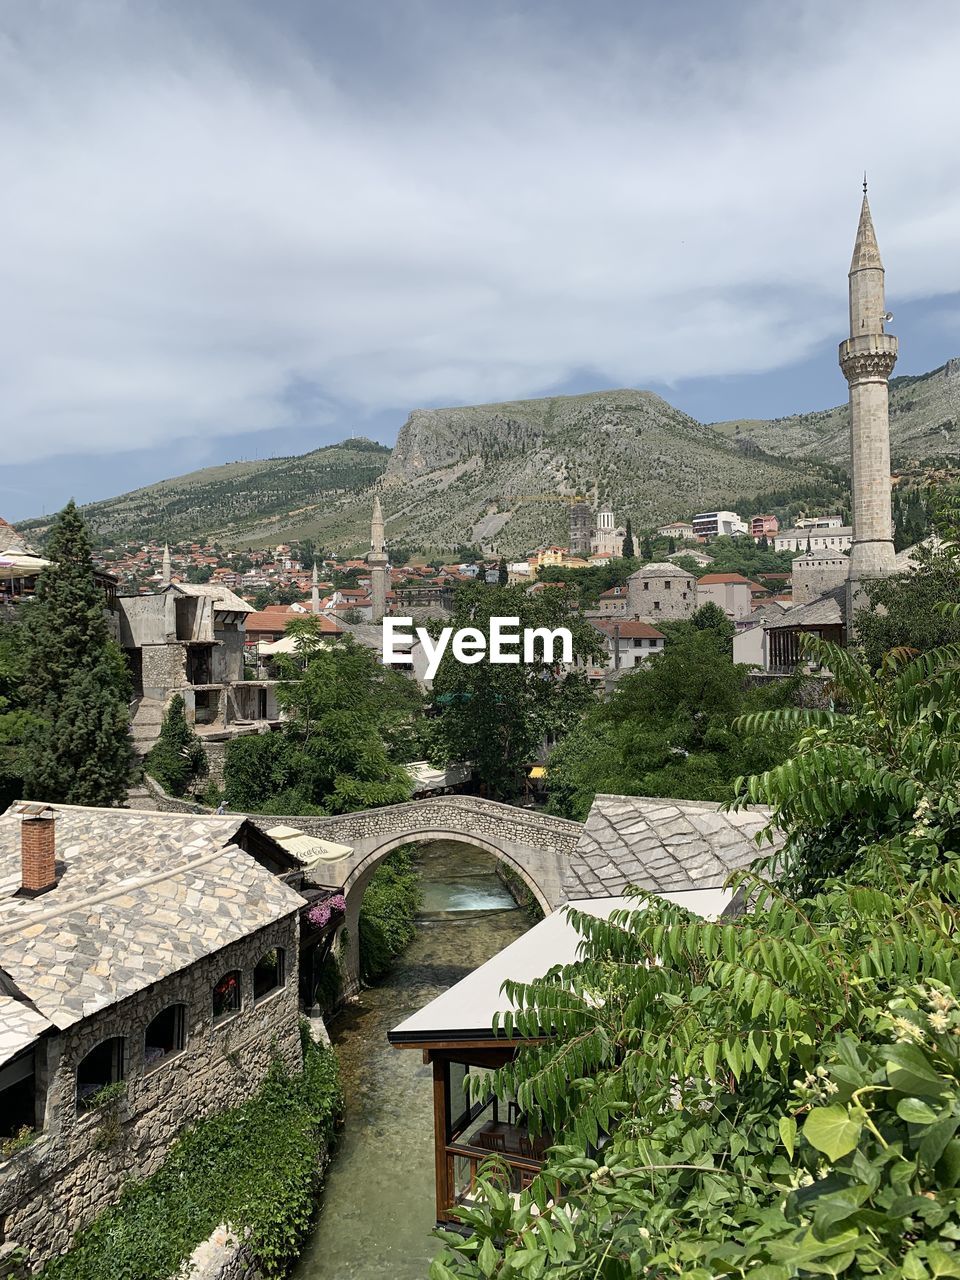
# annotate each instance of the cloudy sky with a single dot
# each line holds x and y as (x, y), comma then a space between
(232, 228)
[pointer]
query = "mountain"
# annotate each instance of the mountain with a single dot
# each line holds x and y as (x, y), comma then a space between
(924, 426)
(249, 501)
(504, 474)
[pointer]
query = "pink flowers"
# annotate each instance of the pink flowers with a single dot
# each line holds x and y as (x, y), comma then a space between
(323, 912)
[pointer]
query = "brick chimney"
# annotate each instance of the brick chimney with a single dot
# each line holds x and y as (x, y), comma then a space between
(38, 846)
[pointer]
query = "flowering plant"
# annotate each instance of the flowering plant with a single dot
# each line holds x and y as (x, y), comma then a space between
(323, 912)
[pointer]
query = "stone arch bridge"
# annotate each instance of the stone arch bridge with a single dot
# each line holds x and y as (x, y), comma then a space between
(534, 845)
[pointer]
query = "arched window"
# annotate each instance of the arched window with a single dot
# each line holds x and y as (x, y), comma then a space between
(165, 1035)
(227, 996)
(102, 1066)
(269, 974)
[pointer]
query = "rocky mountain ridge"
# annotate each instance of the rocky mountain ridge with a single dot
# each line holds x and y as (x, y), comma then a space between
(503, 475)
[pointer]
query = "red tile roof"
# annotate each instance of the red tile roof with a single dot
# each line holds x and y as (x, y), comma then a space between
(629, 629)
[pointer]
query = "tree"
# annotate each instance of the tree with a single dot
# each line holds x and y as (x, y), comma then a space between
(628, 550)
(669, 727)
(671, 546)
(76, 684)
(351, 725)
(647, 548)
(763, 544)
(885, 761)
(14, 715)
(502, 574)
(498, 716)
(776, 1093)
(177, 758)
(904, 609)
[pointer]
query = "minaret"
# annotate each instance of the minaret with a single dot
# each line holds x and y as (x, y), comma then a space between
(377, 560)
(166, 569)
(314, 591)
(867, 359)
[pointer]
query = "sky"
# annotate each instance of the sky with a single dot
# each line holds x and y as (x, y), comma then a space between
(236, 229)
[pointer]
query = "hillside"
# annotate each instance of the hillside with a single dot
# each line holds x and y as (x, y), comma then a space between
(924, 425)
(259, 499)
(503, 474)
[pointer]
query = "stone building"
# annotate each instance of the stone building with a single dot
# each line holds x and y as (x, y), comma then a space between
(154, 956)
(661, 592)
(817, 573)
(189, 639)
(581, 529)
(608, 537)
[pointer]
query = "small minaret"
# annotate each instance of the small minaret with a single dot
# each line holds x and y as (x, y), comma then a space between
(166, 569)
(377, 560)
(314, 591)
(867, 359)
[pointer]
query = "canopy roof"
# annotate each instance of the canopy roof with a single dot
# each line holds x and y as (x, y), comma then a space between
(465, 1011)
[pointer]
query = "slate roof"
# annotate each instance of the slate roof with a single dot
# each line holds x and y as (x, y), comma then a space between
(828, 610)
(20, 1025)
(661, 845)
(139, 896)
(223, 598)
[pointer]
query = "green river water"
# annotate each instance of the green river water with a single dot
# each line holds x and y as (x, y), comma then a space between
(378, 1204)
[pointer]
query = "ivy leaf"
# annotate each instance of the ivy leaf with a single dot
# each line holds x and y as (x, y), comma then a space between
(831, 1131)
(788, 1133)
(936, 1138)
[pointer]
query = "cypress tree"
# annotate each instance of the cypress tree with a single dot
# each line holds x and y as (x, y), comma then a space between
(502, 573)
(177, 757)
(628, 547)
(647, 548)
(77, 750)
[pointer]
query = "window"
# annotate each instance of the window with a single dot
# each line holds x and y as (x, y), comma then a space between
(102, 1066)
(18, 1103)
(656, 604)
(667, 585)
(268, 975)
(165, 1035)
(646, 586)
(227, 996)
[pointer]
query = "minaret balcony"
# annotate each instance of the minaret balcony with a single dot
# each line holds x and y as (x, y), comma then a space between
(869, 357)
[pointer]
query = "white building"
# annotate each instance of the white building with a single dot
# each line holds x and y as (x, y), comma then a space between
(821, 537)
(715, 524)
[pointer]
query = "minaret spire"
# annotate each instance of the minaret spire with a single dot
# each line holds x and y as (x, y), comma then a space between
(314, 591)
(867, 359)
(377, 560)
(166, 569)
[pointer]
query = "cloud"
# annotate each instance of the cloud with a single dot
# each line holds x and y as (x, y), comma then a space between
(231, 217)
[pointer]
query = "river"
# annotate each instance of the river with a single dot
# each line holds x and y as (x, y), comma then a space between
(378, 1203)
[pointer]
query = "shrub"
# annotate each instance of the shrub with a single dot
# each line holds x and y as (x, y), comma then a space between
(253, 1167)
(389, 913)
(177, 758)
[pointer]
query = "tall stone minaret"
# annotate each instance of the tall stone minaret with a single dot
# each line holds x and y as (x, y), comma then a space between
(867, 359)
(166, 570)
(377, 560)
(314, 591)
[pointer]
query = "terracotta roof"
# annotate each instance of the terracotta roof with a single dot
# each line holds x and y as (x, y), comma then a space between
(628, 629)
(716, 578)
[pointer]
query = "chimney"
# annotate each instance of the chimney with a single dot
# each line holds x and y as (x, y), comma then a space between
(37, 849)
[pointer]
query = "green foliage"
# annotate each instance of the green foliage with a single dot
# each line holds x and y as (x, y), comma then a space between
(254, 1167)
(775, 1094)
(743, 555)
(904, 609)
(350, 724)
(628, 548)
(668, 729)
(177, 758)
(388, 913)
(887, 767)
(496, 715)
(76, 748)
(14, 714)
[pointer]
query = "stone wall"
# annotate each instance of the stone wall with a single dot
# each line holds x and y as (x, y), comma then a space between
(469, 814)
(164, 668)
(216, 753)
(171, 804)
(650, 599)
(817, 573)
(221, 1257)
(78, 1164)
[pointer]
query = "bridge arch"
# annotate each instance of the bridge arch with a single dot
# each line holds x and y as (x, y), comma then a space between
(534, 845)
